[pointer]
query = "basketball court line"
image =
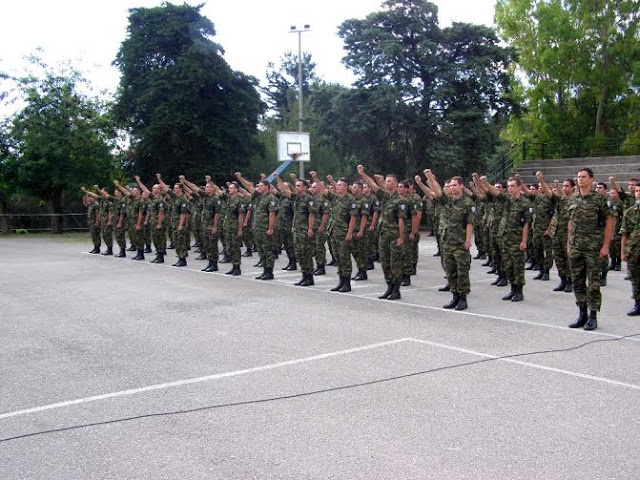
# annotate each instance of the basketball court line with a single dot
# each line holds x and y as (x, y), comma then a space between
(206, 378)
(532, 365)
(370, 297)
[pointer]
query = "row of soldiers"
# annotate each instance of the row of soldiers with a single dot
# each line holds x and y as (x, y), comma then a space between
(370, 218)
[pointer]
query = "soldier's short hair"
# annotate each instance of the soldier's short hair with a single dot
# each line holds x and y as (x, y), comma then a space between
(588, 170)
(633, 180)
(344, 179)
(305, 183)
(458, 180)
(392, 175)
(265, 183)
(571, 181)
(602, 184)
(404, 183)
(517, 180)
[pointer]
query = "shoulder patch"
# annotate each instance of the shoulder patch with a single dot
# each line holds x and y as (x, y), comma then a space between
(403, 206)
(311, 202)
(365, 205)
(473, 209)
(530, 209)
(273, 204)
(353, 205)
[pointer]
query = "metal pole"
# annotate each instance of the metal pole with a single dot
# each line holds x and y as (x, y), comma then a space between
(300, 125)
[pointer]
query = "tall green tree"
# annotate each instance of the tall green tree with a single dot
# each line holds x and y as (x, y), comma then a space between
(186, 110)
(581, 66)
(59, 141)
(444, 82)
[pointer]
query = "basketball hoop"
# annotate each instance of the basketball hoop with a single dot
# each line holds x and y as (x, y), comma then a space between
(294, 156)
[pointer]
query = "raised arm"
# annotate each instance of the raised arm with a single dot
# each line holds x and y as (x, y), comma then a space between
(432, 181)
(544, 186)
(163, 186)
(192, 186)
(283, 187)
(366, 178)
(142, 186)
(125, 191)
(245, 183)
(426, 190)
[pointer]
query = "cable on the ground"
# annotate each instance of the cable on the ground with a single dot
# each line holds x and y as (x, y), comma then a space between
(314, 392)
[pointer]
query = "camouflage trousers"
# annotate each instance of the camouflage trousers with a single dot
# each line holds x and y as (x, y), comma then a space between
(633, 266)
(266, 246)
(411, 254)
(286, 240)
(304, 250)
(604, 264)
(196, 226)
(391, 257)
(120, 234)
(542, 250)
(478, 237)
(495, 248)
(360, 251)
(234, 245)
(147, 234)
(586, 268)
(372, 241)
(181, 240)
(95, 235)
(457, 262)
(107, 234)
(138, 238)
(159, 237)
(247, 237)
(209, 242)
(513, 261)
(615, 249)
(560, 255)
(342, 253)
(320, 252)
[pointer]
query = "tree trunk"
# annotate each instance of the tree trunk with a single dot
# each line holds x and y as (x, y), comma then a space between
(54, 207)
(5, 226)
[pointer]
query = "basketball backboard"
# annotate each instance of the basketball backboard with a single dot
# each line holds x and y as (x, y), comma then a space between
(294, 144)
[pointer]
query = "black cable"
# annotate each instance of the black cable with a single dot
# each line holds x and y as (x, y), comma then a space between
(315, 392)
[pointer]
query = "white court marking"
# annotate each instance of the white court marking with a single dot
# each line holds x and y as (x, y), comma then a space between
(532, 365)
(207, 378)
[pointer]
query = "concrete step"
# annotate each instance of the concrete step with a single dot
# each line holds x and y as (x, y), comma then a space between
(580, 162)
(600, 169)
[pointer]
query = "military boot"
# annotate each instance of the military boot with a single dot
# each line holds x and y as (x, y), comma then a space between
(346, 286)
(406, 280)
(248, 253)
(160, 258)
(361, 275)
(603, 279)
(340, 284)
(487, 263)
(462, 303)
(302, 280)
(259, 264)
(202, 256)
(493, 270)
(147, 249)
(171, 246)
(569, 287)
(387, 292)
(332, 262)
(502, 280)
(395, 292)
(319, 270)
(132, 248)
(109, 251)
(182, 262)
(236, 271)
(259, 277)
(539, 275)
(612, 265)
(95, 250)
(518, 296)
(230, 272)
(155, 260)
(121, 253)
(226, 259)
(268, 274)
(562, 285)
(511, 294)
(139, 256)
(370, 265)
(545, 275)
(213, 267)
(581, 320)
(307, 280)
(454, 301)
(635, 311)
(592, 321)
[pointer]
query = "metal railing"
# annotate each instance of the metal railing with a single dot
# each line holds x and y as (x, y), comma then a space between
(522, 152)
(41, 222)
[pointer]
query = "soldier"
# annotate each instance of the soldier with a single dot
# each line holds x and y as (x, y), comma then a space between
(345, 210)
(631, 249)
(305, 207)
(559, 231)
(285, 227)
(457, 229)
(321, 220)
(179, 218)
(590, 233)
(513, 231)
(371, 233)
(543, 202)
(233, 226)
(120, 217)
(360, 244)
(392, 228)
(414, 203)
(158, 209)
(106, 220)
(210, 224)
(136, 218)
(615, 204)
(146, 208)
(93, 218)
(601, 188)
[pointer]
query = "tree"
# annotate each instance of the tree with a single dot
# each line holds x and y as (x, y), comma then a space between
(186, 110)
(59, 141)
(444, 82)
(580, 62)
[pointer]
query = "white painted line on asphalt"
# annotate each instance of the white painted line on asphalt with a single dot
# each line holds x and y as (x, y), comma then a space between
(529, 364)
(373, 296)
(207, 378)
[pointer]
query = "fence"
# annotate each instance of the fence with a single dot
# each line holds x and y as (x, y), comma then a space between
(41, 222)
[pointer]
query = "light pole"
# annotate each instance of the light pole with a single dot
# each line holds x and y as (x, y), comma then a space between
(300, 31)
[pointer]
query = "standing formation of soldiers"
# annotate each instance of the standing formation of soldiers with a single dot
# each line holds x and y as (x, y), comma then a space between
(581, 227)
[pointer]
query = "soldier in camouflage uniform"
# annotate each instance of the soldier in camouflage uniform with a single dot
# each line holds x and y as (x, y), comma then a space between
(392, 227)
(106, 220)
(285, 229)
(360, 246)
(457, 230)
(344, 211)
(233, 222)
(559, 231)
(147, 218)
(305, 208)
(412, 232)
(590, 233)
(321, 220)
(179, 220)
(158, 223)
(371, 233)
(210, 222)
(630, 247)
(513, 231)
(120, 219)
(616, 204)
(601, 188)
(265, 212)
(544, 209)
(93, 218)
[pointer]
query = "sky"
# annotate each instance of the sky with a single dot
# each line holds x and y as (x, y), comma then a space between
(252, 32)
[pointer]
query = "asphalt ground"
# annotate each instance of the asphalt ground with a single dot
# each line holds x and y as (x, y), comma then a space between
(115, 369)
